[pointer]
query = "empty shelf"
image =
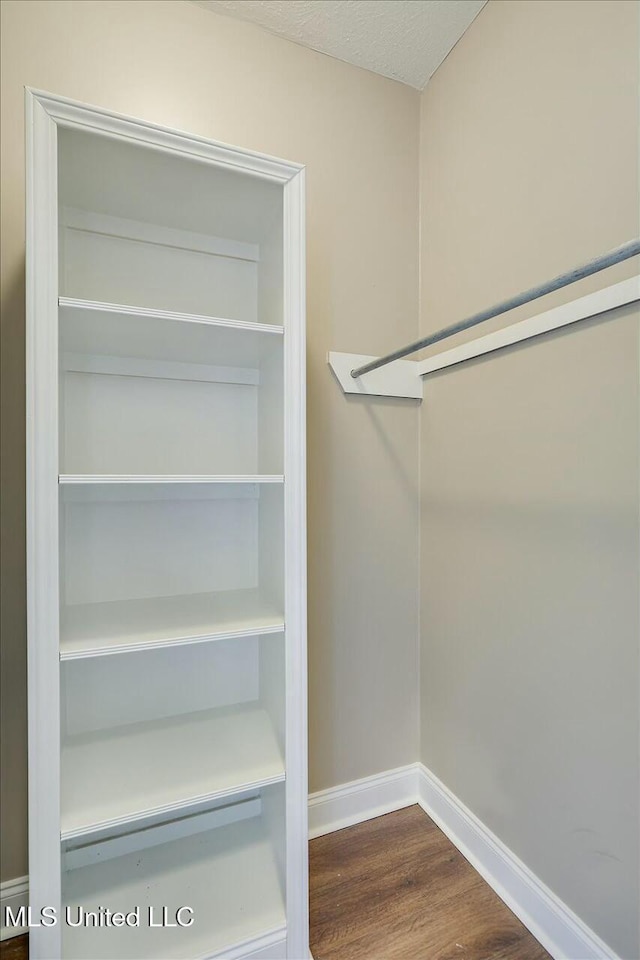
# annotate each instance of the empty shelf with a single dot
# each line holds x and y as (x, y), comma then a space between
(121, 626)
(228, 876)
(111, 329)
(124, 774)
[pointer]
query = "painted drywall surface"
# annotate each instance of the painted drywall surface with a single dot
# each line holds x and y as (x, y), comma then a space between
(529, 458)
(176, 64)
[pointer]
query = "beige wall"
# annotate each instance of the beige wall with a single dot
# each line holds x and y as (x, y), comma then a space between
(529, 164)
(176, 64)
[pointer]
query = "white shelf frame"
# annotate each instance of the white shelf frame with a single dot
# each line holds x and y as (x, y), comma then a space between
(45, 115)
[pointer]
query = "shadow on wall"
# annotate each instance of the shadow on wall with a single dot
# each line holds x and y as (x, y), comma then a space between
(372, 406)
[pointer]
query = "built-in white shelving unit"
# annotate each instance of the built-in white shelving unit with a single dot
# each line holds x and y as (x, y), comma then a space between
(166, 540)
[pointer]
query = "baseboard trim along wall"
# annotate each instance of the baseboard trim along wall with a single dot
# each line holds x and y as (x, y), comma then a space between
(551, 921)
(361, 800)
(559, 930)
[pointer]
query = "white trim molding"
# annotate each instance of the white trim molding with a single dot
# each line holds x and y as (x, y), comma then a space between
(76, 115)
(549, 919)
(552, 922)
(14, 894)
(362, 800)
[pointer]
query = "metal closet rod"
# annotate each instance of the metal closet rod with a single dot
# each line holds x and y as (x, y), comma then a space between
(624, 252)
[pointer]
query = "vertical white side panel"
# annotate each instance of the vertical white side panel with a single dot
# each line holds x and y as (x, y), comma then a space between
(275, 815)
(42, 525)
(271, 536)
(270, 310)
(270, 275)
(269, 416)
(295, 569)
(272, 683)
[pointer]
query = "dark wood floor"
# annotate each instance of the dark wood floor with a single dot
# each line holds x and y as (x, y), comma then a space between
(15, 949)
(395, 888)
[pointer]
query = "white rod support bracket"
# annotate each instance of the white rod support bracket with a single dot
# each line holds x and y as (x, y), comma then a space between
(398, 379)
(403, 378)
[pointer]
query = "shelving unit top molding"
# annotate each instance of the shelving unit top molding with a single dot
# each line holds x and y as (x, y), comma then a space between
(75, 115)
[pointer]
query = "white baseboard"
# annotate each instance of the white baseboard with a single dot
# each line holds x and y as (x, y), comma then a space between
(13, 894)
(362, 800)
(564, 935)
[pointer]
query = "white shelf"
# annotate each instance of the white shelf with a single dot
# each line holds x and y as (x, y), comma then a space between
(122, 775)
(98, 629)
(228, 876)
(127, 310)
(97, 478)
(95, 328)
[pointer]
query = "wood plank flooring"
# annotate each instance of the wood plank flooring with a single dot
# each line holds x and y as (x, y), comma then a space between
(395, 888)
(17, 948)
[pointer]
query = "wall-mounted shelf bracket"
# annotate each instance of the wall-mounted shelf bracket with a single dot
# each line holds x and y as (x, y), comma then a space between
(398, 379)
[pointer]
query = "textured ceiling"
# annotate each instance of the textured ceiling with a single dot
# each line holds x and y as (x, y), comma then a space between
(403, 39)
